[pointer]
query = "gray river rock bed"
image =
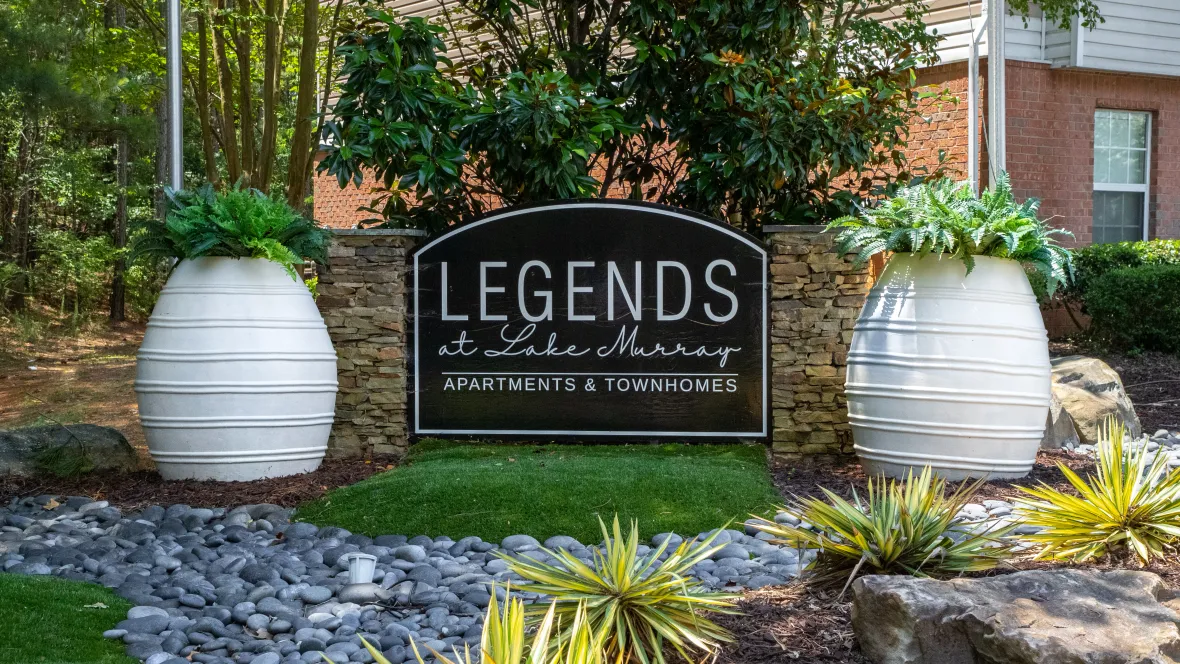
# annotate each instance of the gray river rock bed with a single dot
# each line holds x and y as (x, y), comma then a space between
(247, 586)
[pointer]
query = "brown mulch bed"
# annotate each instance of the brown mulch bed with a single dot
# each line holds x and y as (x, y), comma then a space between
(134, 491)
(841, 477)
(791, 623)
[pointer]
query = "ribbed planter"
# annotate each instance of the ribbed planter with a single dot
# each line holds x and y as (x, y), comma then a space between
(949, 370)
(236, 376)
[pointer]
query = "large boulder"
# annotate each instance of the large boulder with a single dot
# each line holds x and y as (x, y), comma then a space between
(1059, 427)
(1064, 616)
(65, 448)
(1090, 391)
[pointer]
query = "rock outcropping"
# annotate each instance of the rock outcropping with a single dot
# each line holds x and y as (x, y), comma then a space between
(1089, 392)
(1066, 616)
(77, 447)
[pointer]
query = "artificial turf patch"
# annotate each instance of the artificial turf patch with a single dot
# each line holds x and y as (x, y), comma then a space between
(495, 490)
(50, 620)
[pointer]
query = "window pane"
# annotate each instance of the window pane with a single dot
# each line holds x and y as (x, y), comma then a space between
(1138, 130)
(1120, 159)
(1118, 216)
(1101, 129)
(1120, 130)
(1102, 165)
(1137, 167)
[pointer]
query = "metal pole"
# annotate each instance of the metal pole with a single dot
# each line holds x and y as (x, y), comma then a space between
(175, 98)
(973, 106)
(997, 97)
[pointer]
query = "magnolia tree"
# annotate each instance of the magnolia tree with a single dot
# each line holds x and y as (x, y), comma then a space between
(767, 111)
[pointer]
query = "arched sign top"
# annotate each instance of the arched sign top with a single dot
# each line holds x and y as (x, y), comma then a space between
(591, 318)
(653, 208)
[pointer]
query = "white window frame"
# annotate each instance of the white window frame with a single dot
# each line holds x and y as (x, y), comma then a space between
(1144, 188)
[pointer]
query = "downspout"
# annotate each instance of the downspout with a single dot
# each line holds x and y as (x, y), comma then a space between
(973, 105)
(997, 143)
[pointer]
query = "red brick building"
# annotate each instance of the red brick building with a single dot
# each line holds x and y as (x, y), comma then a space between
(1086, 120)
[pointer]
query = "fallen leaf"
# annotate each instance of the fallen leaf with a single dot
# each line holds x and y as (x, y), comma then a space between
(96, 605)
(51, 504)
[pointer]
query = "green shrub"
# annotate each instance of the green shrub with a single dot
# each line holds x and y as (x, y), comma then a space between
(240, 223)
(900, 529)
(1136, 308)
(1097, 259)
(943, 217)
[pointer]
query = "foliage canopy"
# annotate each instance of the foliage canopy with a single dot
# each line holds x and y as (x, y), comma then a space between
(240, 223)
(755, 111)
(944, 217)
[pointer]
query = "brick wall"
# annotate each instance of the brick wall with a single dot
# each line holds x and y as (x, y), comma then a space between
(941, 124)
(363, 298)
(1051, 140)
(339, 208)
(815, 298)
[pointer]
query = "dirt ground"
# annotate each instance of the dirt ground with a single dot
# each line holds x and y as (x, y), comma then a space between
(70, 379)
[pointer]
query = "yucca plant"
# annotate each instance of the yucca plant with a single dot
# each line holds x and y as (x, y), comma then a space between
(239, 223)
(1131, 505)
(635, 603)
(944, 217)
(899, 528)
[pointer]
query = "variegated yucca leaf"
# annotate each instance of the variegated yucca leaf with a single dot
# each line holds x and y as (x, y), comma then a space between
(899, 528)
(1131, 504)
(636, 604)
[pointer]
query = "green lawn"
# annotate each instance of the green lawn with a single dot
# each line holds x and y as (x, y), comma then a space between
(43, 619)
(543, 490)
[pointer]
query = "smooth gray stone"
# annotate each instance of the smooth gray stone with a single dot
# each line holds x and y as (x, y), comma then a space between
(411, 553)
(519, 542)
(145, 611)
(315, 594)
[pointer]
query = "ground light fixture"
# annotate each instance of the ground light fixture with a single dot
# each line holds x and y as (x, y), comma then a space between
(360, 588)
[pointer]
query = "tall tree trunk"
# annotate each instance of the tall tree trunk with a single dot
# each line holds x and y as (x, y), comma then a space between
(325, 94)
(17, 242)
(302, 141)
(229, 119)
(203, 109)
(276, 14)
(161, 156)
(246, 90)
(122, 159)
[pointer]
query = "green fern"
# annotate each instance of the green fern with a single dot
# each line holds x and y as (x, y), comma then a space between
(944, 217)
(240, 223)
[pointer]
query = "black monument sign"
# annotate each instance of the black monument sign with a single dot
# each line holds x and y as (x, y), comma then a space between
(591, 319)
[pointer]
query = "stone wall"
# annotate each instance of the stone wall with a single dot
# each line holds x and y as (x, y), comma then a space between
(364, 297)
(815, 298)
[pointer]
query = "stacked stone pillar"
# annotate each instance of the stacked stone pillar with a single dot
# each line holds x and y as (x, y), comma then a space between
(816, 296)
(364, 297)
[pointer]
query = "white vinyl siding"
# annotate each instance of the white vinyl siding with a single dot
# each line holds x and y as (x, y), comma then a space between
(1138, 36)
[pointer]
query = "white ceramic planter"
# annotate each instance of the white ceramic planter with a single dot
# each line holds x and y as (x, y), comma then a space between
(236, 376)
(949, 370)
